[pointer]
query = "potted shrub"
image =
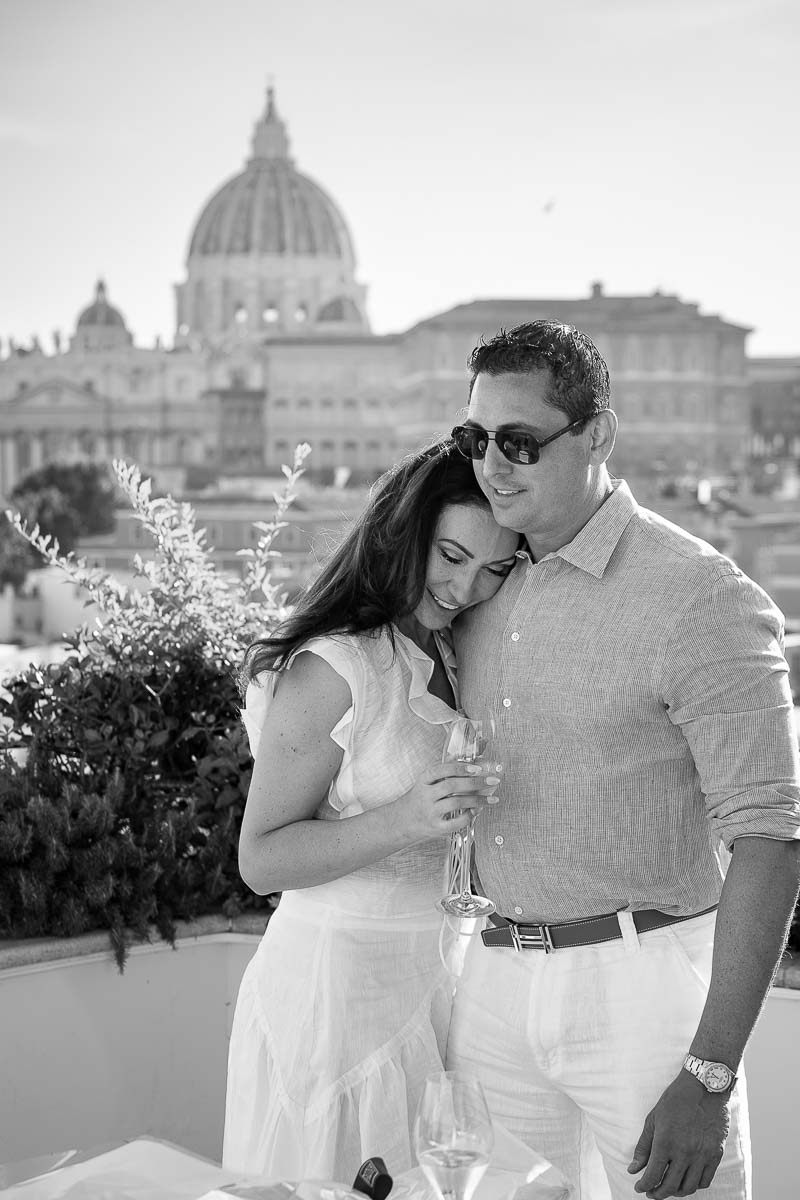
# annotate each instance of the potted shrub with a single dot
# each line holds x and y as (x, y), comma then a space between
(124, 768)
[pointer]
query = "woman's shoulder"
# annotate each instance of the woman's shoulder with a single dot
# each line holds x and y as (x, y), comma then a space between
(351, 655)
(360, 659)
(324, 674)
(366, 649)
(370, 646)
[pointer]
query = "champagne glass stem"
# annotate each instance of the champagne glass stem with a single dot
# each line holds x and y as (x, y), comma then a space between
(465, 865)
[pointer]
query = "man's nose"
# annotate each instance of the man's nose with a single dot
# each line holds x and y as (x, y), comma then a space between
(495, 462)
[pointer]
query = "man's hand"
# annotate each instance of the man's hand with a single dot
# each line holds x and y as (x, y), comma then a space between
(682, 1141)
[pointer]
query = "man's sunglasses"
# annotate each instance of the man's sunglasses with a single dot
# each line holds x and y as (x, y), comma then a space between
(518, 447)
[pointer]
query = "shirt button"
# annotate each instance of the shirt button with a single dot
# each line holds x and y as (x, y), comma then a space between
(506, 703)
(517, 910)
(515, 636)
(499, 839)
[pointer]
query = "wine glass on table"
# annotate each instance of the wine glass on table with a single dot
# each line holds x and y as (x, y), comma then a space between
(468, 741)
(453, 1135)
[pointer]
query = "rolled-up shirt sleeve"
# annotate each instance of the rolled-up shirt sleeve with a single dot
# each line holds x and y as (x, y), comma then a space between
(725, 682)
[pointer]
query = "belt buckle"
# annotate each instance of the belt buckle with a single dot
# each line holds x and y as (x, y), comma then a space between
(531, 941)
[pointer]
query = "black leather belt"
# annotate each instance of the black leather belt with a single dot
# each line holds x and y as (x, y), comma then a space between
(589, 932)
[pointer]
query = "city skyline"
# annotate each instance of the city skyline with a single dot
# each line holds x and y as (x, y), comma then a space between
(642, 146)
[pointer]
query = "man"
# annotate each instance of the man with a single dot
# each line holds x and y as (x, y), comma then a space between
(645, 725)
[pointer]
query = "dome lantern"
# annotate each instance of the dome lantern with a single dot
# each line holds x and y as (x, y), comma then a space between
(270, 139)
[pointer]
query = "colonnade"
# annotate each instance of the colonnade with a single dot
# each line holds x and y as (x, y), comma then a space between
(23, 451)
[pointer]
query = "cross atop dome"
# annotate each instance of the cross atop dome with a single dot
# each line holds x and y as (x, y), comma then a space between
(270, 139)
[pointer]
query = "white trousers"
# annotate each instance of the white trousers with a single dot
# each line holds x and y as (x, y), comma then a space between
(575, 1047)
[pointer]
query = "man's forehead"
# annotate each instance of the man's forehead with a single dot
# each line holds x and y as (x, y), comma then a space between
(519, 396)
(513, 383)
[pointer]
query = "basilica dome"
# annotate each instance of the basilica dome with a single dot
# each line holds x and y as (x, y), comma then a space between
(270, 254)
(100, 326)
(100, 312)
(270, 208)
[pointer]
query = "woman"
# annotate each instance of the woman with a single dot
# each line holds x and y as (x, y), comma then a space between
(343, 1011)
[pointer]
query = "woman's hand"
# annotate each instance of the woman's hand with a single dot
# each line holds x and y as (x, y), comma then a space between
(443, 797)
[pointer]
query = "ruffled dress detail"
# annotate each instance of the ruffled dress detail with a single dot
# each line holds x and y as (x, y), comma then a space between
(344, 1008)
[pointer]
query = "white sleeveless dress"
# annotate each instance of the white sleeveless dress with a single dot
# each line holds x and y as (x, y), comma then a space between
(344, 1008)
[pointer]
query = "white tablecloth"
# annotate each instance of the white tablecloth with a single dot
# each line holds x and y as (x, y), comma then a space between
(149, 1169)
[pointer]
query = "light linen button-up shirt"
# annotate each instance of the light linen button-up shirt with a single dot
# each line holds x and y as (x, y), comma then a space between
(644, 721)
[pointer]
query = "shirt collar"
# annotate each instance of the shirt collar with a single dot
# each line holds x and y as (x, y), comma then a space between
(591, 548)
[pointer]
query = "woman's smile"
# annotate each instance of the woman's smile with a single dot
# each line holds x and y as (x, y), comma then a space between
(442, 603)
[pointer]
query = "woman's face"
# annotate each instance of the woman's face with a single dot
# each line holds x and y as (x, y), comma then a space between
(469, 558)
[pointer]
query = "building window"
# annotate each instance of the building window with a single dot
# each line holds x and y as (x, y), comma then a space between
(632, 355)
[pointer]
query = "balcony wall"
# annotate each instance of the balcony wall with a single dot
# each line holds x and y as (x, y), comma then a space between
(89, 1056)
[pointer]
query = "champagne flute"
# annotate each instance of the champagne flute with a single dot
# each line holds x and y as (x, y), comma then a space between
(469, 741)
(453, 1135)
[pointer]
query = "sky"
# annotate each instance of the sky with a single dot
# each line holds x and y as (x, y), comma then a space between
(476, 150)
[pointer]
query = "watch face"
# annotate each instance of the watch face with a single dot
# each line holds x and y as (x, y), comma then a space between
(717, 1078)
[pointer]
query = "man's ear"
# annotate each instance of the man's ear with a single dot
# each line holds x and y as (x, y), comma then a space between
(603, 436)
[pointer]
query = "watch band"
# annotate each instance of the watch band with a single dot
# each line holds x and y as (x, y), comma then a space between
(715, 1077)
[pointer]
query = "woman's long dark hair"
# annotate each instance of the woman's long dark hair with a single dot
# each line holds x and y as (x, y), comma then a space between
(377, 573)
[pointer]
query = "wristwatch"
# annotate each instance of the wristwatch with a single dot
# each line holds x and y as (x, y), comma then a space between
(714, 1076)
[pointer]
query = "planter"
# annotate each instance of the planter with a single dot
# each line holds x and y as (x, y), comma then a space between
(90, 1056)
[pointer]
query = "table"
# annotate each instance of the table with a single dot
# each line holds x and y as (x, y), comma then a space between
(143, 1169)
(147, 1168)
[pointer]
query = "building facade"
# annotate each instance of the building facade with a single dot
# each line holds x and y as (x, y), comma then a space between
(273, 347)
(774, 408)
